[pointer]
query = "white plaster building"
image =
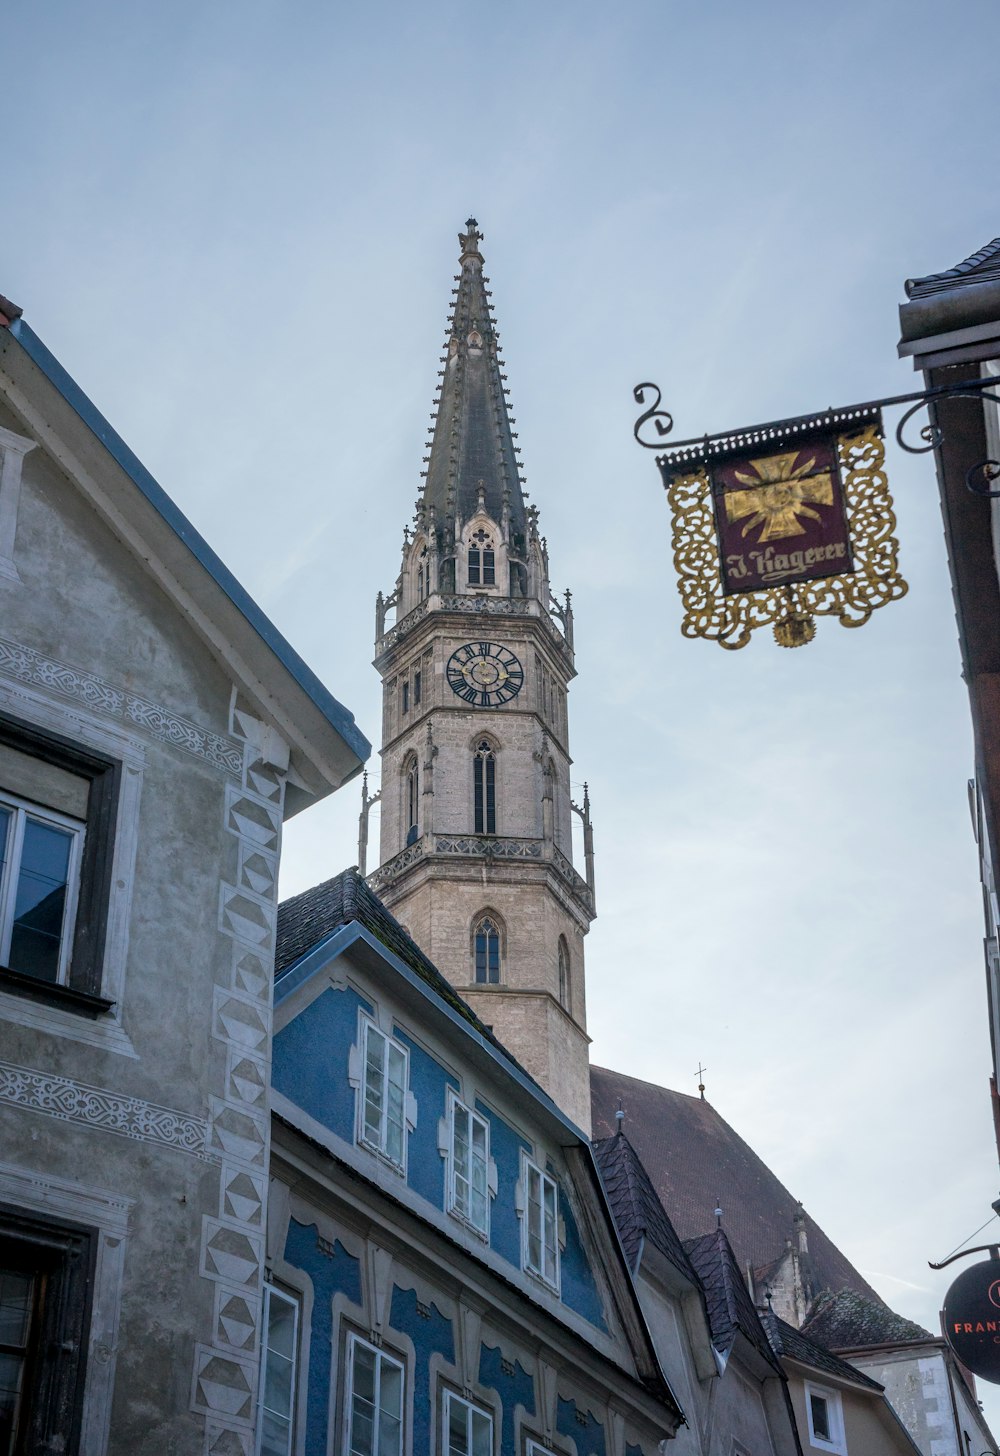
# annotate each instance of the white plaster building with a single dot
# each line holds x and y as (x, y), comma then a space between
(155, 731)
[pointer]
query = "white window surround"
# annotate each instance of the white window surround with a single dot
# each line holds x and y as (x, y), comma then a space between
(386, 1108)
(471, 1173)
(538, 1207)
(107, 1032)
(386, 1403)
(13, 449)
(825, 1418)
(275, 1410)
(535, 1448)
(466, 1429)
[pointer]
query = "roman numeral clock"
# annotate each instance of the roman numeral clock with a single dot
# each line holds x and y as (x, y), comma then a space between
(485, 674)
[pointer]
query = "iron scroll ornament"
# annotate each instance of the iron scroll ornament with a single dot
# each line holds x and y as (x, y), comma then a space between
(978, 477)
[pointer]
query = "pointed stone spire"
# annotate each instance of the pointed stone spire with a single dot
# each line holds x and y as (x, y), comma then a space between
(472, 455)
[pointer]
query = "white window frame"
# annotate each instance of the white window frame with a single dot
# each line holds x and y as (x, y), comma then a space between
(546, 1183)
(23, 810)
(458, 1109)
(379, 1144)
(355, 1342)
(837, 1441)
(272, 1292)
(535, 1448)
(471, 1409)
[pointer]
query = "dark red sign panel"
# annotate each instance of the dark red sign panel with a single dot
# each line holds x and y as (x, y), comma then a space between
(971, 1317)
(780, 515)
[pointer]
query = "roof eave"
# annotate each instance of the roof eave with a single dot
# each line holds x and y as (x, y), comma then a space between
(328, 749)
(968, 306)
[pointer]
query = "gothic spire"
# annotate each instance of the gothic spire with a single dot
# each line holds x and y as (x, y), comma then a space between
(473, 456)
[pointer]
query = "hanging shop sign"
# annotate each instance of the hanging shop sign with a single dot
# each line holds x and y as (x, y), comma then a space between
(971, 1319)
(781, 524)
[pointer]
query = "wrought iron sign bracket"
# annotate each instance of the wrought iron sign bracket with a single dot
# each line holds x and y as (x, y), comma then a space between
(992, 1249)
(978, 478)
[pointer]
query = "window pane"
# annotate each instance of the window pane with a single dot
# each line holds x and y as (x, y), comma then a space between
(278, 1384)
(280, 1325)
(15, 1307)
(458, 1439)
(11, 1369)
(482, 1434)
(489, 570)
(40, 900)
(275, 1434)
(820, 1417)
(374, 1065)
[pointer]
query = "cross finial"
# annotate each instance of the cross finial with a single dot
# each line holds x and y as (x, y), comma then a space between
(700, 1074)
(619, 1117)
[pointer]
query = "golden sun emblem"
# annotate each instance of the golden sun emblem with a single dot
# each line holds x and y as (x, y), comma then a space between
(781, 496)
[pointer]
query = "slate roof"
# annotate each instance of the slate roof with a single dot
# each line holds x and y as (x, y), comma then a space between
(471, 441)
(306, 919)
(848, 1321)
(637, 1212)
(730, 1308)
(981, 267)
(694, 1158)
(787, 1340)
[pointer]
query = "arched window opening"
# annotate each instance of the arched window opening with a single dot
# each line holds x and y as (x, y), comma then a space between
(411, 792)
(564, 981)
(482, 560)
(484, 778)
(486, 943)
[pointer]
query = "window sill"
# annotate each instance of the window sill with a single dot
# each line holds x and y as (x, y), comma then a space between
(85, 1003)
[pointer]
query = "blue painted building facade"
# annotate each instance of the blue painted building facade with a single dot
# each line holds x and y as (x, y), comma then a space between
(438, 1241)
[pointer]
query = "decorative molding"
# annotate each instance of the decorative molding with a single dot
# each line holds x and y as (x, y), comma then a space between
(130, 1117)
(386, 873)
(579, 888)
(488, 606)
(27, 665)
(490, 846)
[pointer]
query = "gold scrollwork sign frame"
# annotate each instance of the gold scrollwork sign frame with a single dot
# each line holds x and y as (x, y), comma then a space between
(789, 607)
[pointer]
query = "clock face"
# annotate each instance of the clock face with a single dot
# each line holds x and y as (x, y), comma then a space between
(485, 674)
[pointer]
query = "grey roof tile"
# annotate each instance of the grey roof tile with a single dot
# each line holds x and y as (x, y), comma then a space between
(848, 1321)
(981, 267)
(637, 1211)
(730, 1308)
(787, 1340)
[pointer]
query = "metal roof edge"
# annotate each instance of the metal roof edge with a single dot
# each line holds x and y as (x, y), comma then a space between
(340, 718)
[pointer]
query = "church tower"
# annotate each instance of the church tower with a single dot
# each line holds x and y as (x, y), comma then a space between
(476, 804)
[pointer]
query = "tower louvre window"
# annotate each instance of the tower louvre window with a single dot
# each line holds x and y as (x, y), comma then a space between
(416, 688)
(475, 566)
(487, 952)
(484, 786)
(564, 979)
(489, 569)
(411, 774)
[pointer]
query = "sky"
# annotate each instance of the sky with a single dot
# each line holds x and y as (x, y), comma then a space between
(235, 224)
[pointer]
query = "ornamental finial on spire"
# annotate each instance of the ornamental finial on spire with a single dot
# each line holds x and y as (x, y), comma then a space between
(470, 241)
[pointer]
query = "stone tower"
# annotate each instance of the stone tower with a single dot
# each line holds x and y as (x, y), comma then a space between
(476, 805)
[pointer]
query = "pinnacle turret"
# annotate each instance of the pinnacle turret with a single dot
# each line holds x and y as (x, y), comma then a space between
(473, 456)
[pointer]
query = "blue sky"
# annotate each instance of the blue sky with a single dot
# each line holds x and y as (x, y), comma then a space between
(235, 225)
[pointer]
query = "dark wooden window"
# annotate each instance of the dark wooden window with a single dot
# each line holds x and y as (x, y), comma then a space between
(484, 772)
(475, 566)
(46, 1276)
(412, 784)
(489, 569)
(58, 808)
(416, 688)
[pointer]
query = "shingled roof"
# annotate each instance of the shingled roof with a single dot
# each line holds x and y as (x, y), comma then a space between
(637, 1211)
(306, 919)
(981, 267)
(788, 1341)
(730, 1308)
(849, 1321)
(694, 1158)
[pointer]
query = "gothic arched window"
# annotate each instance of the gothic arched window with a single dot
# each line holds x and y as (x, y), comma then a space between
(411, 797)
(564, 981)
(484, 785)
(486, 951)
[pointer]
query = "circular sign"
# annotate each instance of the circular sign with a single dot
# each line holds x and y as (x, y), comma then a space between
(971, 1317)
